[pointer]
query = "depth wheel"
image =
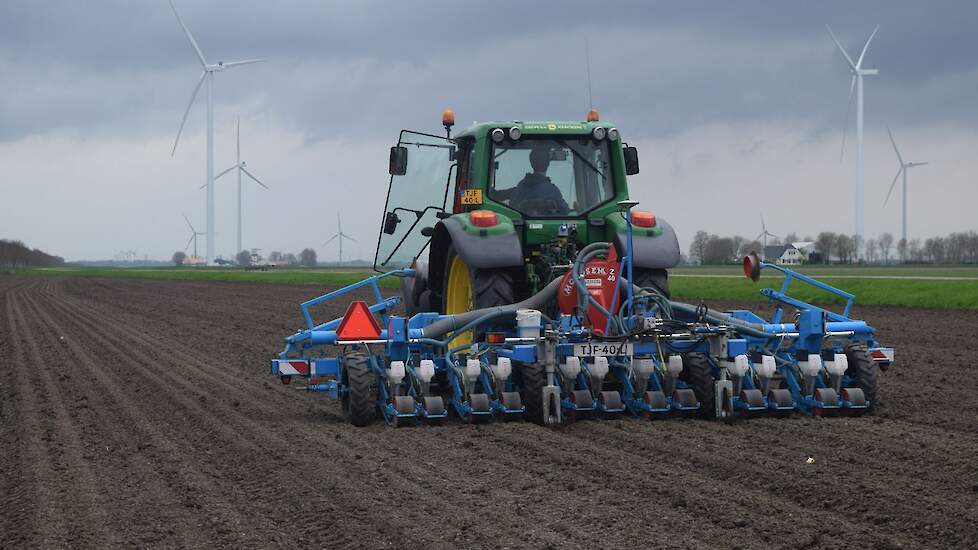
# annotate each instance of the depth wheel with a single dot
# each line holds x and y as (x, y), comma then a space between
(480, 404)
(864, 372)
(433, 404)
(360, 401)
(698, 373)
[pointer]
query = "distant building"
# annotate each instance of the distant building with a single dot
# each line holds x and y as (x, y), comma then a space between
(789, 254)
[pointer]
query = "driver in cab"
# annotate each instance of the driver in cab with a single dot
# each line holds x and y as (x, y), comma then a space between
(535, 194)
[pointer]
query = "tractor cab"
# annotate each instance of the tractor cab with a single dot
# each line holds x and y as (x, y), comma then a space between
(507, 201)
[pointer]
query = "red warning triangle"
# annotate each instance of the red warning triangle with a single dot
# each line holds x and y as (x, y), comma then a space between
(358, 324)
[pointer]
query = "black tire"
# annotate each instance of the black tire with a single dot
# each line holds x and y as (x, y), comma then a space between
(698, 373)
(490, 287)
(864, 371)
(534, 379)
(652, 278)
(360, 401)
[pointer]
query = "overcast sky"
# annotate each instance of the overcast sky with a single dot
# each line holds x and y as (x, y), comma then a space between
(736, 107)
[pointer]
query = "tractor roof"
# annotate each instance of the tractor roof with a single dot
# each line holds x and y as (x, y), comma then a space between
(534, 127)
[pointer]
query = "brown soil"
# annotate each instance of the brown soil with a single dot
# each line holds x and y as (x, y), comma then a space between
(141, 413)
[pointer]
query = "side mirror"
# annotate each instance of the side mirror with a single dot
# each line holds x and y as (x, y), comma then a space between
(631, 160)
(398, 161)
(390, 221)
(752, 266)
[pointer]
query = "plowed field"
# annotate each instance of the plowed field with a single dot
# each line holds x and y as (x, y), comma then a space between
(141, 413)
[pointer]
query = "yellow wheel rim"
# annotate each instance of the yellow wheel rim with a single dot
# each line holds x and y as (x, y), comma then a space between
(458, 295)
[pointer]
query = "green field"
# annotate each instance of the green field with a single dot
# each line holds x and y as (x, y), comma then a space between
(318, 276)
(954, 287)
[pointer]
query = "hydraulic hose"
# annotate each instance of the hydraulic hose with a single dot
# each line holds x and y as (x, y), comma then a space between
(584, 297)
(540, 300)
(451, 323)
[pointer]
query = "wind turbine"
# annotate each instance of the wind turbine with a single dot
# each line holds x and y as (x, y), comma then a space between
(193, 237)
(339, 235)
(764, 234)
(903, 170)
(207, 72)
(858, 72)
(240, 166)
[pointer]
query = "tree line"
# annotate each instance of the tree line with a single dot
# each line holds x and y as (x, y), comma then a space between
(830, 247)
(305, 258)
(17, 254)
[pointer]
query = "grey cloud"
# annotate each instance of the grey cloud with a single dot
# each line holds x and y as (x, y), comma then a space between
(660, 67)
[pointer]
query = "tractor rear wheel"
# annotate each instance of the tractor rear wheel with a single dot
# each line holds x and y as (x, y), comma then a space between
(467, 288)
(652, 278)
(864, 371)
(698, 373)
(360, 400)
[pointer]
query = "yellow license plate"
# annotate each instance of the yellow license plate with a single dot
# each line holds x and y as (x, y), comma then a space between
(472, 196)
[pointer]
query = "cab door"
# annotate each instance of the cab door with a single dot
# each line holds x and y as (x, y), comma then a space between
(421, 167)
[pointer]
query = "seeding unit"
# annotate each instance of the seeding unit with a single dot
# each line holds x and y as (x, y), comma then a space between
(589, 343)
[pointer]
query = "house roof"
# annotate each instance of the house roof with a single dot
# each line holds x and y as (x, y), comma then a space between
(775, 251)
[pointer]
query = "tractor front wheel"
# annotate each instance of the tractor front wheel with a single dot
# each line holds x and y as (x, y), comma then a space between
(698, 374)
(360, 399)
(864, 371)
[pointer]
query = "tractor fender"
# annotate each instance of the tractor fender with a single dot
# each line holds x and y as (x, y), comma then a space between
(482, 248)
(656, 248)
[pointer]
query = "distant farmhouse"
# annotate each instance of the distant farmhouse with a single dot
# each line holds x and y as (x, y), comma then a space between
(790, 254)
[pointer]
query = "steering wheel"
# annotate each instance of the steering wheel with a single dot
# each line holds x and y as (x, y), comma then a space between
(541, 207)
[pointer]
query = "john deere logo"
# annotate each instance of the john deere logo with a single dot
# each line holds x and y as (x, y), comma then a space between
(551, 126)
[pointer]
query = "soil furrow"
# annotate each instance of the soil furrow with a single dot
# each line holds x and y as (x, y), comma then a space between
(175, 383)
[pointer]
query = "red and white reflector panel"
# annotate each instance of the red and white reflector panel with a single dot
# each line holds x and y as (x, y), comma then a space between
(293, 368)
(882, 355)
(358, 324)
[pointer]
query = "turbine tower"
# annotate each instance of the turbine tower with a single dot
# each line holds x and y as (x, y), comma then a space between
(903, 170)
(240, 166)
(857, 82)
(207, 72)
(339, 235)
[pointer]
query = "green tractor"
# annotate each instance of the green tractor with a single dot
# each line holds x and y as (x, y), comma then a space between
(502, 208)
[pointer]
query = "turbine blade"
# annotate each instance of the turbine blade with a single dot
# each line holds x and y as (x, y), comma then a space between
(859, 62)
(345, 236)
(331, 239)
(188, 223)
(192, 237)
(222, 173)
(200, 54)
(912, 164)
(256, 180)
(892, 185)
(763, 226)
(845, 124)
(841, 49)
(238, 132)
(759, 236)
(230, 64)
(183, 120)
(895, 150)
